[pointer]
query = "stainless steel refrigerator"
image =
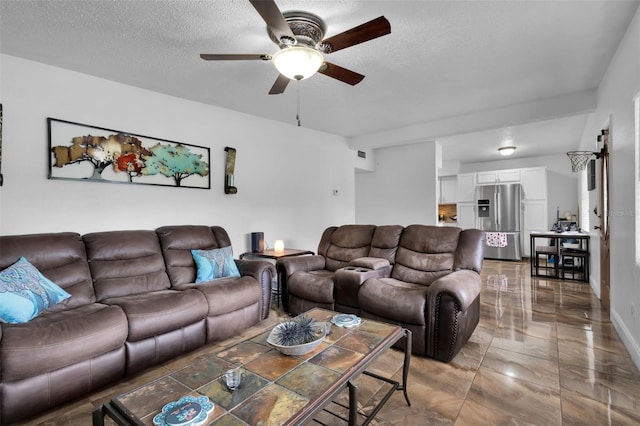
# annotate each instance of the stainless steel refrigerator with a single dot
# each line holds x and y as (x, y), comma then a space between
(498, 211)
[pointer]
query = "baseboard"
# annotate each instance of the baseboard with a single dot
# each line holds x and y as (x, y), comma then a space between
(595, 286)
(627, 338)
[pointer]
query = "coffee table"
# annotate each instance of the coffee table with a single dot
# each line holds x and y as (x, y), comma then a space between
(276, 389)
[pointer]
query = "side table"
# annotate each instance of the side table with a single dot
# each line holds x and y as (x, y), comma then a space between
(273, 255)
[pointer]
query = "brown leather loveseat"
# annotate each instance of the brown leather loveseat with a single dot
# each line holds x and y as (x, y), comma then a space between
(134, 304)
(425, 278)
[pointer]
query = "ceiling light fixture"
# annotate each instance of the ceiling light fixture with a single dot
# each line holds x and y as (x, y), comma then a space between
(298, 62)
(507, 150)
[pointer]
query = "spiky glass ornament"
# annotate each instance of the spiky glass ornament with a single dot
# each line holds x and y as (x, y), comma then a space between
(297, 331)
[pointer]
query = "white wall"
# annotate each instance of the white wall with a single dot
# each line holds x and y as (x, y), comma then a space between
(615, 107)
(285, 175)
(562, 183)
(402, 189)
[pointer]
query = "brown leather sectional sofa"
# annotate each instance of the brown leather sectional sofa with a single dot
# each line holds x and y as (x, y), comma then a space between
(425, 278)
(133, 305)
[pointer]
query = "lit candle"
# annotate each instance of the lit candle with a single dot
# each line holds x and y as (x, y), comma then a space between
(278, 247)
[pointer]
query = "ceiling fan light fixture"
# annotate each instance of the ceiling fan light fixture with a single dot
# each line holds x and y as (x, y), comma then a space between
(507, 150)
(297, 62)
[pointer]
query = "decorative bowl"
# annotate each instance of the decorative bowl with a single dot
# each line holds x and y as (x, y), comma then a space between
(296, 349)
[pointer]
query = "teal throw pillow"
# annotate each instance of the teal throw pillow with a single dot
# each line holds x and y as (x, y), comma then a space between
(25, 292)
(214, 264)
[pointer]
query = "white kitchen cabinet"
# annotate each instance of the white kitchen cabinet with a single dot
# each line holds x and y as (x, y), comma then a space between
(466, 215)
(534, 183)
(498, 176)
(487, 178)
(466, 187)
(509, 176)
(535, 220)
(448, 190)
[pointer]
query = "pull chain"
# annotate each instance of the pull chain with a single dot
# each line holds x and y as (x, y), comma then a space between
(298, 103)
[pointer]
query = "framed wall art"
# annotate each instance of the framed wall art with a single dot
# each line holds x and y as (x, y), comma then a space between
(82, 152)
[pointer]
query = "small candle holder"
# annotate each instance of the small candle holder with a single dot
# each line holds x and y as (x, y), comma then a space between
(233, 378)
(278, 247)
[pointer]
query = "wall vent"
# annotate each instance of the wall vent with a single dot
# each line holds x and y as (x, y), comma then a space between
(362, 154)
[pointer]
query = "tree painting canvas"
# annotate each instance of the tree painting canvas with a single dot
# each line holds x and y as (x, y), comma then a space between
(82, 152)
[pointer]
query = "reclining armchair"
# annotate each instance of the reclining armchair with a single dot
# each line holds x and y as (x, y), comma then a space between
(433, 289)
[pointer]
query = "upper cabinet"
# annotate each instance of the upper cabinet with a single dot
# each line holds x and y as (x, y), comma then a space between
(533, 180)
(499, 176)
(466, 187)
(534, 183)
(448, 189)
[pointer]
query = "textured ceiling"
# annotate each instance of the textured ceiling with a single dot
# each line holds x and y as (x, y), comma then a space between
(443, 60)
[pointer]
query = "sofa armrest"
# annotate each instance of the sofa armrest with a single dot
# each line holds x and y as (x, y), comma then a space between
(288, 265)
(263, 272)
(463, 286)
(452, 312)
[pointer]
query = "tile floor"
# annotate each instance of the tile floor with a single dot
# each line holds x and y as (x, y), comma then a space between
(544, 353)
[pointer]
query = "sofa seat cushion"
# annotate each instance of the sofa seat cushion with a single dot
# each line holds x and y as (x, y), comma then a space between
(158, 312)
(316, 286)
(59, 339)
(231, 294)
(394, 299)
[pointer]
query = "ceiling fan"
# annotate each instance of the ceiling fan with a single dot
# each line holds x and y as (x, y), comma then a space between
(299, 35)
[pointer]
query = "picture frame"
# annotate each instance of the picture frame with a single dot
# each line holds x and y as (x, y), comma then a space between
(96, 154)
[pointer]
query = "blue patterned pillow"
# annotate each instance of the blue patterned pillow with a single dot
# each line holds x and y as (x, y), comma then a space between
(25, 292)
(214, 264)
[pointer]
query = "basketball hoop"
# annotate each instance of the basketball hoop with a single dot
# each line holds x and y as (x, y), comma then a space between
(579, 159)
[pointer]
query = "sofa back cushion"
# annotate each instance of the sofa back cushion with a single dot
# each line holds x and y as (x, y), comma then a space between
(345, 243)
(60, 257)
(425, 253)
(385, 241)
(177, 243)
(125, 262)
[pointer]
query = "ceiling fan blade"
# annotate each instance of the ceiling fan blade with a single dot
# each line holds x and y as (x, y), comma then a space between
(356, 35)
(279, 86)
(342, 74)
(233, 57)
(271, 14)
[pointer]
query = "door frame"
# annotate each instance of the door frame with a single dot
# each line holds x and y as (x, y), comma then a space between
(604, 204)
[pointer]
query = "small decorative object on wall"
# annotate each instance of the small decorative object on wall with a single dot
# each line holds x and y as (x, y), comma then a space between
(1, 177)
(83, 152)
(228, 171)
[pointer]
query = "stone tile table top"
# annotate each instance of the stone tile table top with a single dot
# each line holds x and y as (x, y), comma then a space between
(276, 388)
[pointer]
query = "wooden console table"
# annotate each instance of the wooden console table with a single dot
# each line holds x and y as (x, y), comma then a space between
(272, 254)
(560, 255)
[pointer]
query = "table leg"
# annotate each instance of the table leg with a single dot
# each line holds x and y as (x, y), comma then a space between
(109, 410)
(532, 240)
(353, 404)
(97, 417)
(405, 365)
